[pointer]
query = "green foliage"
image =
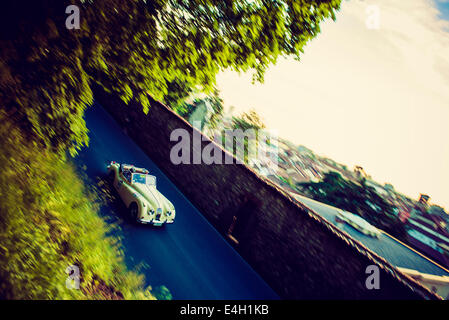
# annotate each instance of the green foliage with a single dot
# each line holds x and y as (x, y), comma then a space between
(360, 199)
(164, 48)
(47, 223)
(288, 182)
(248, 120)
(186, 109)
(162, 293)
(217, 105)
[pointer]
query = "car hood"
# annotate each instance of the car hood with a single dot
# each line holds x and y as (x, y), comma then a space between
(154, 197)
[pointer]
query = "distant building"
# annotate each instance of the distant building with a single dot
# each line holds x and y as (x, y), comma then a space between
(304, 150)
(429, 236)
(424, 199)
(389, 187)
(403, 216)
(360, 172)
(438, 211)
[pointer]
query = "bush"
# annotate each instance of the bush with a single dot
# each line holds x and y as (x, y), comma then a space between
(48, 222)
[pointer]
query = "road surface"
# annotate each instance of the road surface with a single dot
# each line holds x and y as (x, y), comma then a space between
(189, 257)
(388, 248)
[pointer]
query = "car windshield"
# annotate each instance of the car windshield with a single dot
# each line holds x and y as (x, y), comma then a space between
(144, 179)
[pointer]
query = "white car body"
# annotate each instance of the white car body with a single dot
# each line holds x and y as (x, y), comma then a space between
(358, 223)
(137, 189)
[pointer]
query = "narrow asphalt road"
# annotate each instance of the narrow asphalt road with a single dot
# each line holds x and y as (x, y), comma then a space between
(391, 250)
(189, 257)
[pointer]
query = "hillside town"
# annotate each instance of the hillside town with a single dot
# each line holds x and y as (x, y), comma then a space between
(289, 166)
(427, 225)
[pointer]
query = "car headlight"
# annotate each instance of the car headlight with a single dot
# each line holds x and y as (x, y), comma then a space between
(170, 213)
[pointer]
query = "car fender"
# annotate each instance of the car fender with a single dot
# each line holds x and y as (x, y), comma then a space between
(143, 206)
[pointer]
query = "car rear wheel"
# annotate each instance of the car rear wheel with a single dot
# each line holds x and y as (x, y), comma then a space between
(134, 210)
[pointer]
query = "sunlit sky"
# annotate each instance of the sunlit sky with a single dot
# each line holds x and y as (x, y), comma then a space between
(378, 98)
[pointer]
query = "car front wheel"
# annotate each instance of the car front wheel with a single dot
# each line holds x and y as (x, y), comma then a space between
(134, 210)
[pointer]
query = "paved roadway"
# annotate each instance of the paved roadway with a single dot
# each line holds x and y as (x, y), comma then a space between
(189, 257)
(393, 251)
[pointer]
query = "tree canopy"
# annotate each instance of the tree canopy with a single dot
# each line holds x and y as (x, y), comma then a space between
(360, 199)
(248, 120)
(164, 48)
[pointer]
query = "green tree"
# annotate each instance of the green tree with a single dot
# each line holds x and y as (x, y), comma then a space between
(248, 120)
(217, 105)
(360, 199)
(186, 109)
(164, 48)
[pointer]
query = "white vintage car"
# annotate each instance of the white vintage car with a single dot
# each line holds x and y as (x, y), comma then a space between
(137, 189)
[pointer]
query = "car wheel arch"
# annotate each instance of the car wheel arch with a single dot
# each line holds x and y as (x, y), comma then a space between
(131, 206)
(111, 175)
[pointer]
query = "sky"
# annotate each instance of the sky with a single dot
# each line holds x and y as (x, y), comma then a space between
(369, 92)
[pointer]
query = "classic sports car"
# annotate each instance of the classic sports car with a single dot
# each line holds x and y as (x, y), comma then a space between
(137, 188)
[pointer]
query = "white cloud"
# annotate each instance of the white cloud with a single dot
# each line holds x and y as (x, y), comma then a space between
(379, 98)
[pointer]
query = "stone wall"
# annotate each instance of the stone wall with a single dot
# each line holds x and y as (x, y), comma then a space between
(300, 255)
